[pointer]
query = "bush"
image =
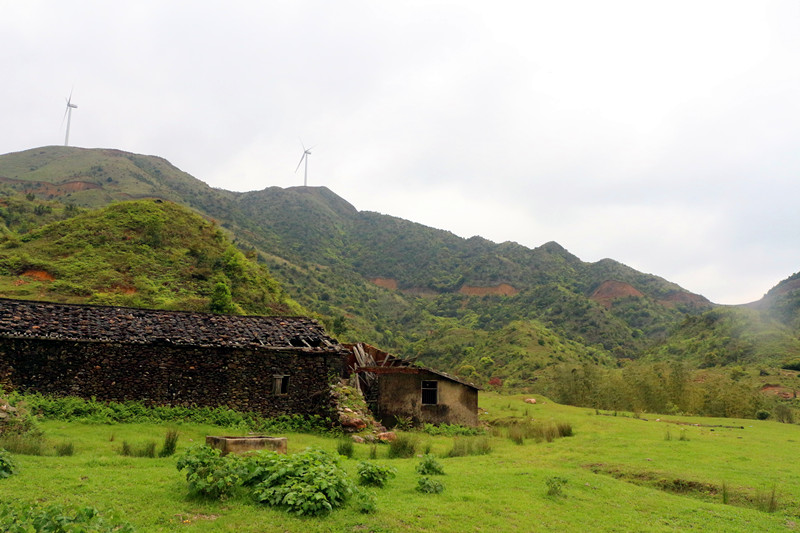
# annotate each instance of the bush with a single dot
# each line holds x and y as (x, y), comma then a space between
(402, 447)
(308, 483)
(374, 475)
(761, 414)
(210, 474)
(429, 466)
(463, 446)
(24, 517)
(427, 485)
(7, 465)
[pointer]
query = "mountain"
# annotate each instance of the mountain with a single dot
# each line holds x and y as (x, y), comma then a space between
(482, 309)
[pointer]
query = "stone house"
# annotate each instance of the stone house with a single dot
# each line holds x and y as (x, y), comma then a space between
(269, 365)
(395, 388)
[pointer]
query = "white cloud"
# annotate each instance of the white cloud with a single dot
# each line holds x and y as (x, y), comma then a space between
(659, 134)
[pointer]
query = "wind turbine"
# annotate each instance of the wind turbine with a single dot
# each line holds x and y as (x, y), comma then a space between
(306, 153)
(68, 115)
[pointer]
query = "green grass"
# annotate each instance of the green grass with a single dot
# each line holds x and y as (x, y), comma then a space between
(621, 475)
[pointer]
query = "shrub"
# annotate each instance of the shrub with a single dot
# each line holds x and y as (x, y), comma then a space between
(427, 485)
(7, 465)
(762, 414)
(783, 413)
(402, 447)
(463, 446)
(767, 501)
(170, 443)
(308, 483)
(65, 449)
(345, 447)
(31, 443)
(564, 429)
(450, 430)
(555, 485)
(429, 466)
(374, 475)
(23, 517)
(516, 434)
(208, 473)
(148, 449)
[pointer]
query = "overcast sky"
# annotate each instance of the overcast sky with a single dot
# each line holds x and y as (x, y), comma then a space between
(660, 134)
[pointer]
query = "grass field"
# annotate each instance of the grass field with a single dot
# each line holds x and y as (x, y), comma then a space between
(622, 474)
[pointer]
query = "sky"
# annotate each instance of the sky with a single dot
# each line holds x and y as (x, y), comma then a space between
(661, 134)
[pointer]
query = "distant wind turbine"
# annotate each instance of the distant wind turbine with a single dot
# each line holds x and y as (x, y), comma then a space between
(304, 157)
(68, 115)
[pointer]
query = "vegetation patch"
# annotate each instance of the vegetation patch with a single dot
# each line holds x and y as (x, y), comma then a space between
(24, 517)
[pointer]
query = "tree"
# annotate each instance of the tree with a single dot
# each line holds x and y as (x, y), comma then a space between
(221, 299)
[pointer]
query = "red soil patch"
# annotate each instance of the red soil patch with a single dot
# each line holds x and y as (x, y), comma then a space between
(124, 289)
(778, 390)
(685, 298)
(611, 290)
(53, 189)
(39, 275)
(386, 283)
(504, 289)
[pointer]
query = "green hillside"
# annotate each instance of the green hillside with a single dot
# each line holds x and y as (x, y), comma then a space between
(491, 312)
(145, 253)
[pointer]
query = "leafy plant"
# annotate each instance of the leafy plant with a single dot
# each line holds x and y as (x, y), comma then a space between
(26, 517)
(210, 474)
(308, 483)
(403, 423)
(427, 485)
(8, 466)
(429, 466)
(555, 485)
(374, 475)
(365, 502)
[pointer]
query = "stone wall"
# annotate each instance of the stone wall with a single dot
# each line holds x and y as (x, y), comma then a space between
(165, 374)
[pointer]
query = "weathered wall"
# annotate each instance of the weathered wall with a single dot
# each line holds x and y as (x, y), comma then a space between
(241, 378)
(400, 394)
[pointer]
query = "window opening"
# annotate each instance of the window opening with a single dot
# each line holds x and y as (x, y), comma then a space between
(280, 384)
(430, 392)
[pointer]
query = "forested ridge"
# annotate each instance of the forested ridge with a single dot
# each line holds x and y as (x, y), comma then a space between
(499, 314)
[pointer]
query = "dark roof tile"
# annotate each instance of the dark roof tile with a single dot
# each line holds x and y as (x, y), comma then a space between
(29, 319)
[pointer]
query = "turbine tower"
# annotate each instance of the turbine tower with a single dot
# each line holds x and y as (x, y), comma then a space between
(306, 153)
(68, 115)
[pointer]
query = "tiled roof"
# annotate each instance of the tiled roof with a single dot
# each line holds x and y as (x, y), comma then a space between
(45, 320)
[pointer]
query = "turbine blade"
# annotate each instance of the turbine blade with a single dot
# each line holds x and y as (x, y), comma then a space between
(301, 162)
